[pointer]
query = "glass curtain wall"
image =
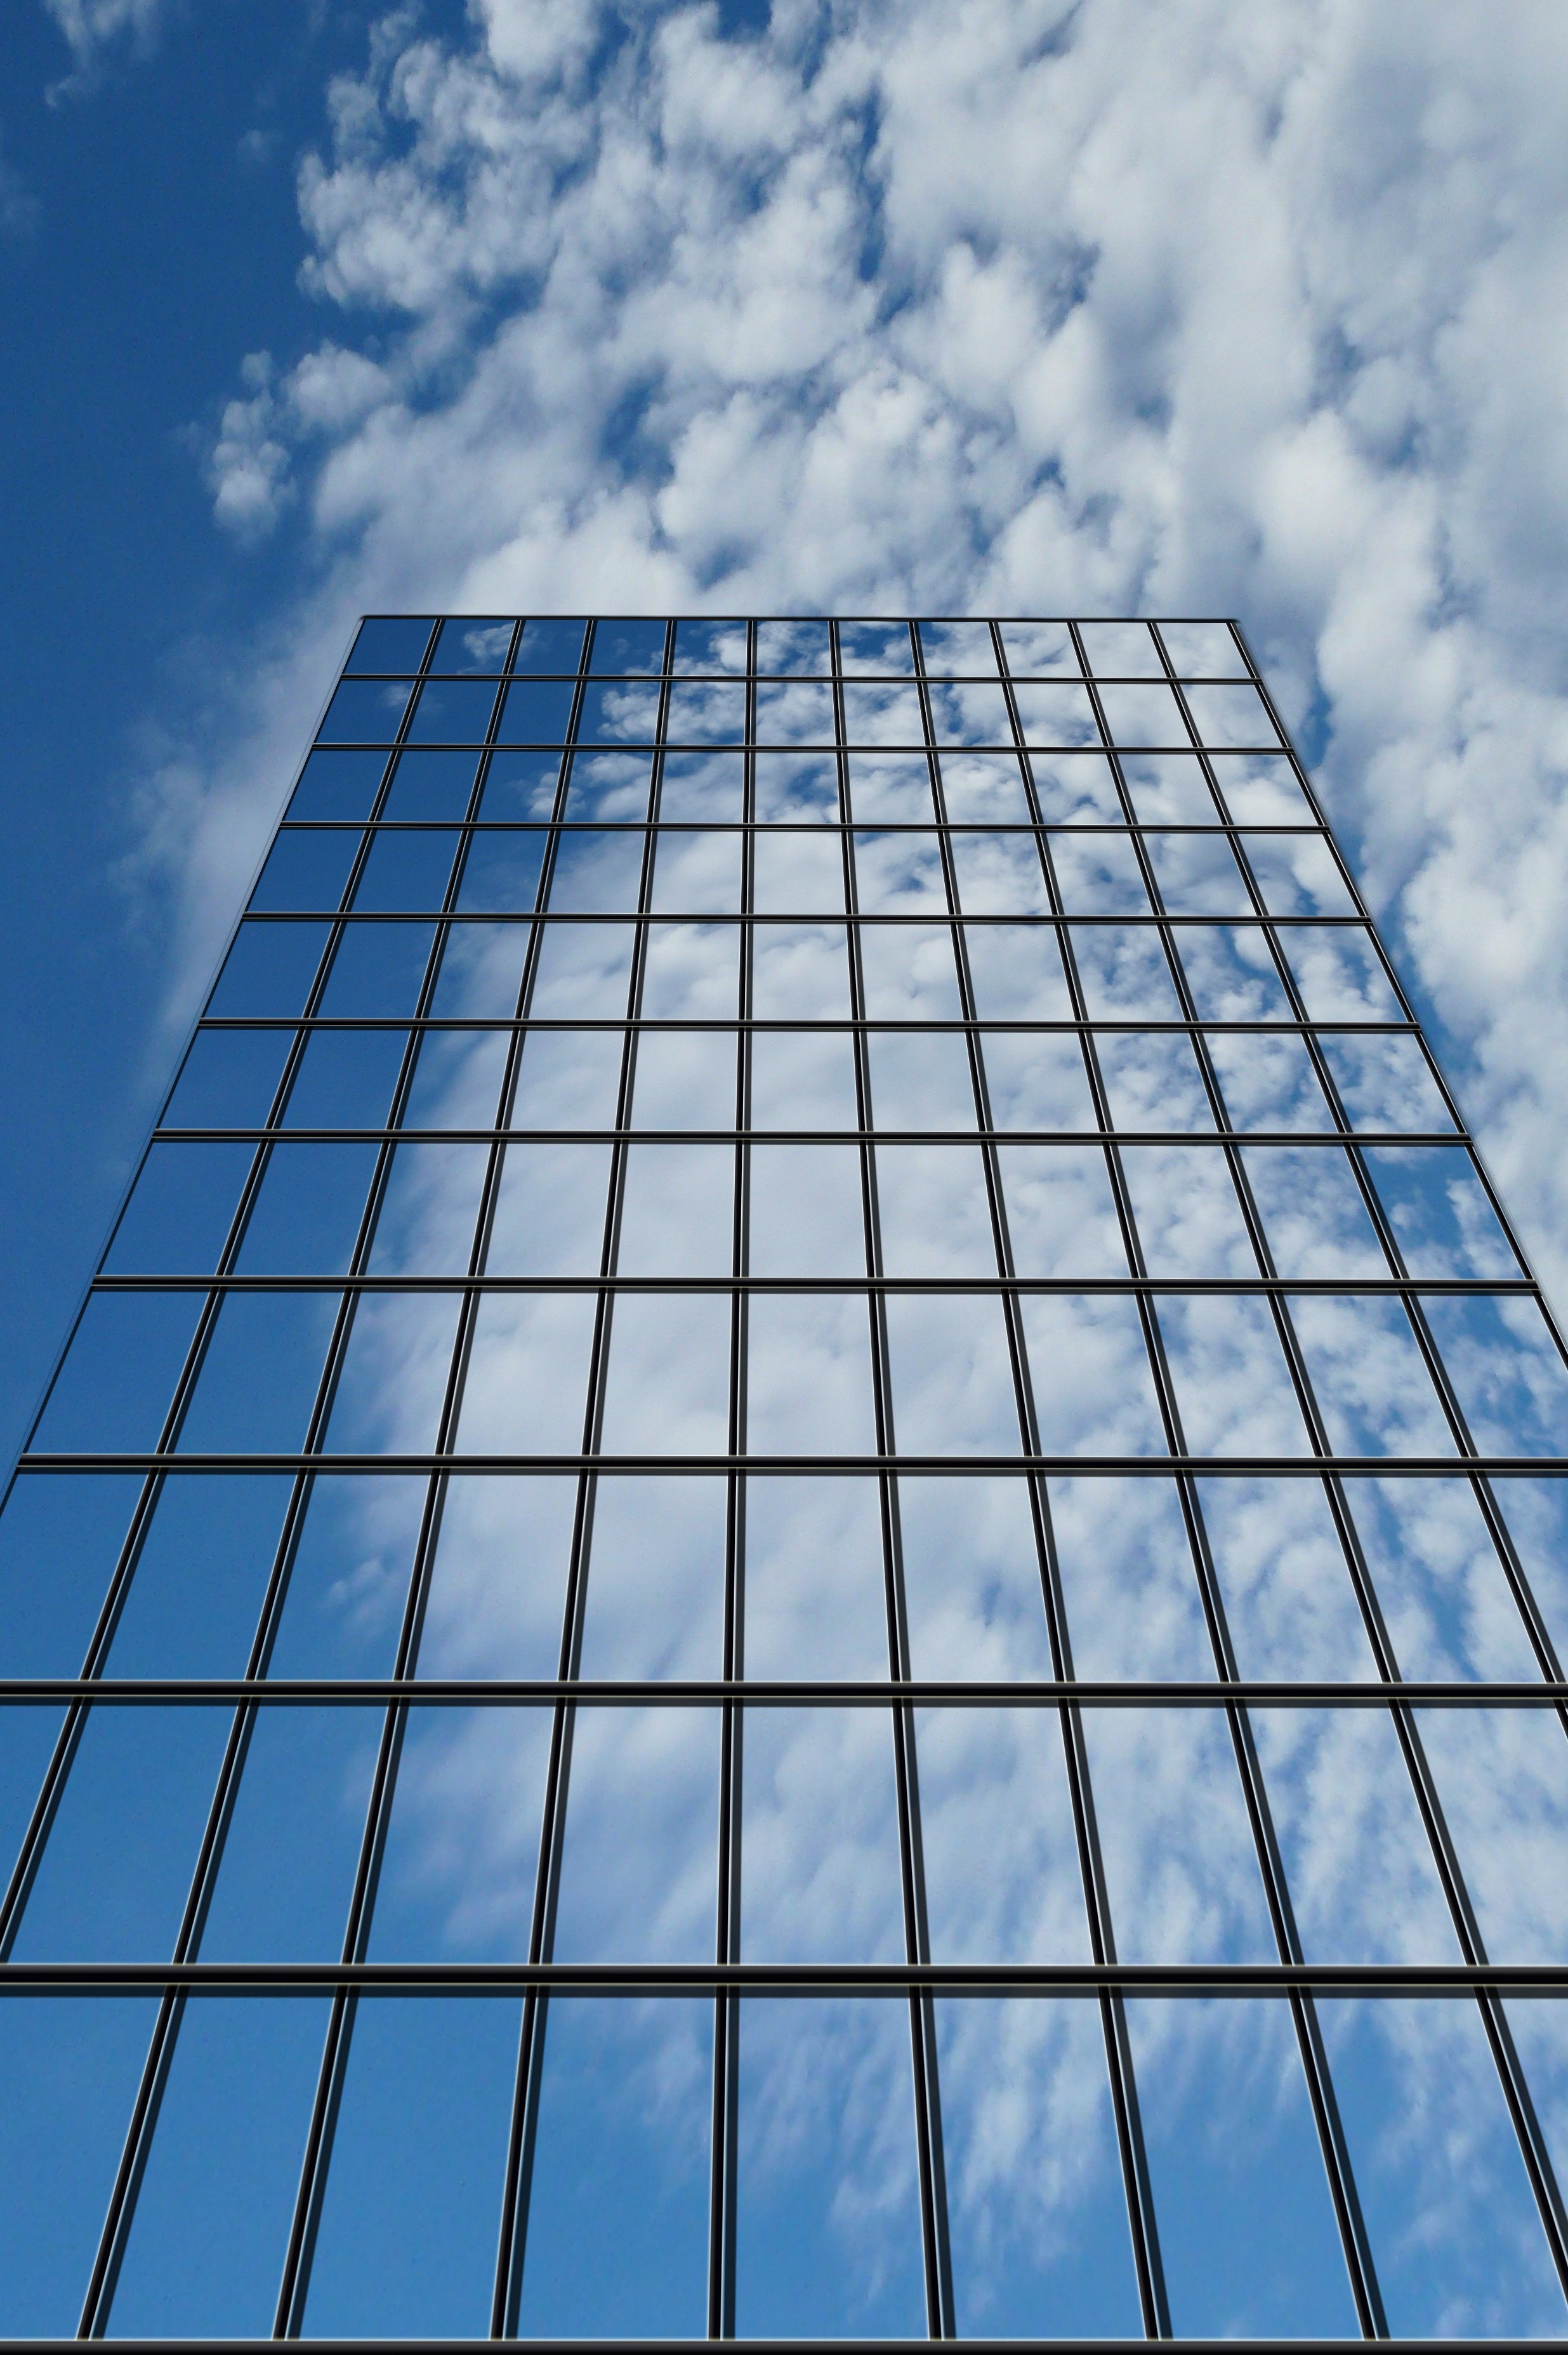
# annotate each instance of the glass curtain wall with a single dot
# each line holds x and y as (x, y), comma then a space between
(798, 1572)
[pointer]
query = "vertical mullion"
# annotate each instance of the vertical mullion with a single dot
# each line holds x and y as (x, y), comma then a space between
(723, 2152)
(1354, 2241)
(1516, 2092)
(1137, 2188)
(295, 2284)
(934, 2245)
(512, 2253)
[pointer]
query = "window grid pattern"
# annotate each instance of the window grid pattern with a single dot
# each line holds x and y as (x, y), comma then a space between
(578, 1110)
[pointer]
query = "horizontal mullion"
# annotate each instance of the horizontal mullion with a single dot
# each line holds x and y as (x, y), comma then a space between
(942, 1137)
(982, 1024)
(1250, 1467)
(919, 1692)
(1195, 1979)
(814, 916)
(817, 827)
(818, 744)
(1243, 1287)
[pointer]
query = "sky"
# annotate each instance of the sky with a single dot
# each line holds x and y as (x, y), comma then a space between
(950, 304)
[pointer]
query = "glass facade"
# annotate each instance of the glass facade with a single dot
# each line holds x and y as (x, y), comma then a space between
(798, 1572)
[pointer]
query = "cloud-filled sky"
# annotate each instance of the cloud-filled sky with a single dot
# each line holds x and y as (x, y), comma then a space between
(1000, 305)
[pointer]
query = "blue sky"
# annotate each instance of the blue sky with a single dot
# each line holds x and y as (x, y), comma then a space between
(1012, 305)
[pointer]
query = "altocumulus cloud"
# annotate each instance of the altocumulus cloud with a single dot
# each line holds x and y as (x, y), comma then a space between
(1251, 307)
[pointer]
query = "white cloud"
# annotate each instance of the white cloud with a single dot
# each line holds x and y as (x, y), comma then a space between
(91, 27)
(1217, 308)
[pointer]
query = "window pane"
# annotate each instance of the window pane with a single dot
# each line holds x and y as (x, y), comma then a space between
(201, 1577)
(799, 973)
(503, 874)
(627, 645)
(458, 1876)
(808, 1376)
(828, 2216)
(698, 873)
(497, 1587)
(60, 1536)
(1246, 2229)
(1203, 649)
(407, 2244)
(292, 1844)
(1373, 1388)
(1154, 1083)
(707, 785)
(366, 711)
(206, 2252)
(524, 785)
(971, 1579)
(68, 2073)
(389, 642)
(453, 712)
(269, 970)
(457, 1080)
(1062, 1215)
(806, 1213)
(624, 2102)
(1169, 789)
(228, 1079)
(669, 1386)
(706, 713)
(396, 1370)
(116, 1872)
(377, 971)
(307, 870)
(803, 1079)
(970, 715)
(471, 644)
(1143, 715)
(425, 1224)
(113, 1390)
(815, 1593)
(346, 1079)
(797, 788)
(1313, 1213)
(873, 648)
(1289, 1604)
(1036, 2209)
(1093, 1392)
(803, 649)
(1179, 1862)
(337, 784)
(637, 1876)
(1436, 1203)
(1453, 2230)
(957, 649)
(307, 1214)
(1056, 715)
(259, 1380)
(1233, 1384)
(527, 1375)
(685, 1078)
(1001, 1857)
(1128, 1589)
(1508, 1370)
(549, 643)
(656, 1583)
(819, 1838)
(951, 1377)
(480, 972)
(342, 1607)
(935, 1210)
(569, 1079)
(1034, 648)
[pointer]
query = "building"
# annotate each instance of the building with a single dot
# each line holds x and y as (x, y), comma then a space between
(800, 1570)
